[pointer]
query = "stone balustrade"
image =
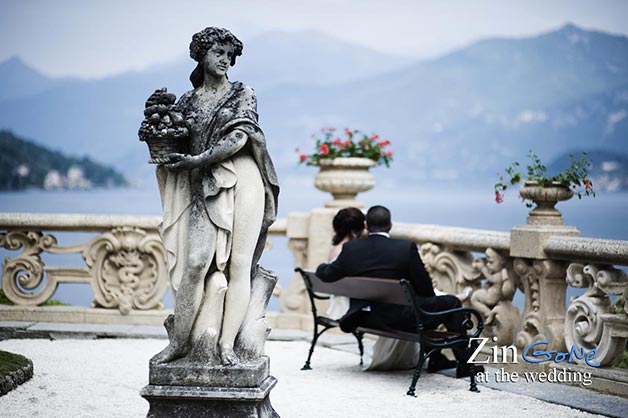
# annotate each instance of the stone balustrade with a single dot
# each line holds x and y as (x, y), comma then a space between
(125, 263)
(126, 268)
(591, 321)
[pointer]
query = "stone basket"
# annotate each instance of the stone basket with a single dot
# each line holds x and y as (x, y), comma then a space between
(159, 147)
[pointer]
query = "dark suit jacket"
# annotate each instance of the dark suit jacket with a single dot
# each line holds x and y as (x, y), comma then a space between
(377, 256)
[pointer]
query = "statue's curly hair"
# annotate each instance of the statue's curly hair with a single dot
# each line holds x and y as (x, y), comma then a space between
(203, 41)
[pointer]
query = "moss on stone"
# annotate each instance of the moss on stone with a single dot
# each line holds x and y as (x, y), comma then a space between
(4, 300)
(622, 361)
(10, 362)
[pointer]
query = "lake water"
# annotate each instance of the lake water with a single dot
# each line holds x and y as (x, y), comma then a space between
(605, 216)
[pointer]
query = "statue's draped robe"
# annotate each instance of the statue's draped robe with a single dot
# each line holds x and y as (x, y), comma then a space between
(203, 198)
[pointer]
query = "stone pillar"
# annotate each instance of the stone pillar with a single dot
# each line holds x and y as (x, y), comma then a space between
(293, 299)
(309, 239)
(310, 234)
(319, 236)
(542, 279)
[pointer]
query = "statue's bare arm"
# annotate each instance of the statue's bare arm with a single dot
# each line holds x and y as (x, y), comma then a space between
(233, 142)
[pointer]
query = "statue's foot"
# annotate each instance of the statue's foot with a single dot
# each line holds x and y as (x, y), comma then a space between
(228, 357)
(168, 354)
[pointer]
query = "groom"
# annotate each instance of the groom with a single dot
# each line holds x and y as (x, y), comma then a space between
(378, 255)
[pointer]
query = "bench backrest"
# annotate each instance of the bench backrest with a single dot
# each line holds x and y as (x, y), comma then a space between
(365, 288)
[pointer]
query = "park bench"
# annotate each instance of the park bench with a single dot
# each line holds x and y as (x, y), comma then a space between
(398, 292)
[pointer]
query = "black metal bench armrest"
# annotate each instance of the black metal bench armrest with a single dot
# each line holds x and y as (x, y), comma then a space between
(450, 311)
(467, 322)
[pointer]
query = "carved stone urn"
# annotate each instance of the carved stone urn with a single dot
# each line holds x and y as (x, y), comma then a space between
(545, 198)
(344, 178)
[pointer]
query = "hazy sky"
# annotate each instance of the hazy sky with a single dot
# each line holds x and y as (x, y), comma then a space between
(90, 38)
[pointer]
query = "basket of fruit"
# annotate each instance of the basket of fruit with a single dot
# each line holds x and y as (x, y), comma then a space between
(163, 127)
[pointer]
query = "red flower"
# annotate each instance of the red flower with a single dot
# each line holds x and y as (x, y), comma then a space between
(389, 154)
(349, 132)
(374, 138)
(324, 149)
(384, 143)
(338, 142)
(499, 197)
(588, 186)
(347, 143)
(302, 157)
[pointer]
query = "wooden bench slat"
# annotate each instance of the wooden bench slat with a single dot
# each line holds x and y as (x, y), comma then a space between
(366, 288)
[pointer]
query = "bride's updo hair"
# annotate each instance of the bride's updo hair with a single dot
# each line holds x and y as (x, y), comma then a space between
(203, 41)
(348, 222)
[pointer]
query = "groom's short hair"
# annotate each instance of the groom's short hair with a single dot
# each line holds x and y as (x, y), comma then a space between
(378, 219)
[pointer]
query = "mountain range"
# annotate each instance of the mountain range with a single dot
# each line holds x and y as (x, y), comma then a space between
(461, 116)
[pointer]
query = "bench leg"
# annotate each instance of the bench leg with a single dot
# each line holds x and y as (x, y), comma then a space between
(317, 334)
(417, 372)
(474, 386)
(358, 336)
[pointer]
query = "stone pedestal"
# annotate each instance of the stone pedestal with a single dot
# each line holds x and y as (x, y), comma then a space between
(181, 389)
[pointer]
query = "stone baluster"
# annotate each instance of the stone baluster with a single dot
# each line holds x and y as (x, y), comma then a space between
(450, 270)
(128, 269)
(543, 283)
(592, 322)
(22, 276)
(493, 298)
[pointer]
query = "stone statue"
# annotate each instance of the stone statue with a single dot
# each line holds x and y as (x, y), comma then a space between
(494, 299)
(219, 196)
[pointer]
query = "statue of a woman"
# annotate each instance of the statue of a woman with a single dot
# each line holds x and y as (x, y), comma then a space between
(218, 201)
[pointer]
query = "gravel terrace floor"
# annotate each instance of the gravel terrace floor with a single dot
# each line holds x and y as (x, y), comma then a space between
(103, 377)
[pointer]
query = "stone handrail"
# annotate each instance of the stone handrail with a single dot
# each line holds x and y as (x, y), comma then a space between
(453, 237)
(590, 249)
(91, 223)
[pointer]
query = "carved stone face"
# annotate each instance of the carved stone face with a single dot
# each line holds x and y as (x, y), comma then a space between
(494, 261)
(218, 59)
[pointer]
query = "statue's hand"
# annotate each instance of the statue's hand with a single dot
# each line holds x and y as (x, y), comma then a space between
(178, 162)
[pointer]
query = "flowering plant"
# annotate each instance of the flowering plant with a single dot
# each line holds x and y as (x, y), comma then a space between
(355, 144)
(575, 177)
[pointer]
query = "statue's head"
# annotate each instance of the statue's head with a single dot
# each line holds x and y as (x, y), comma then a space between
(203, 41)
(494, 261)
